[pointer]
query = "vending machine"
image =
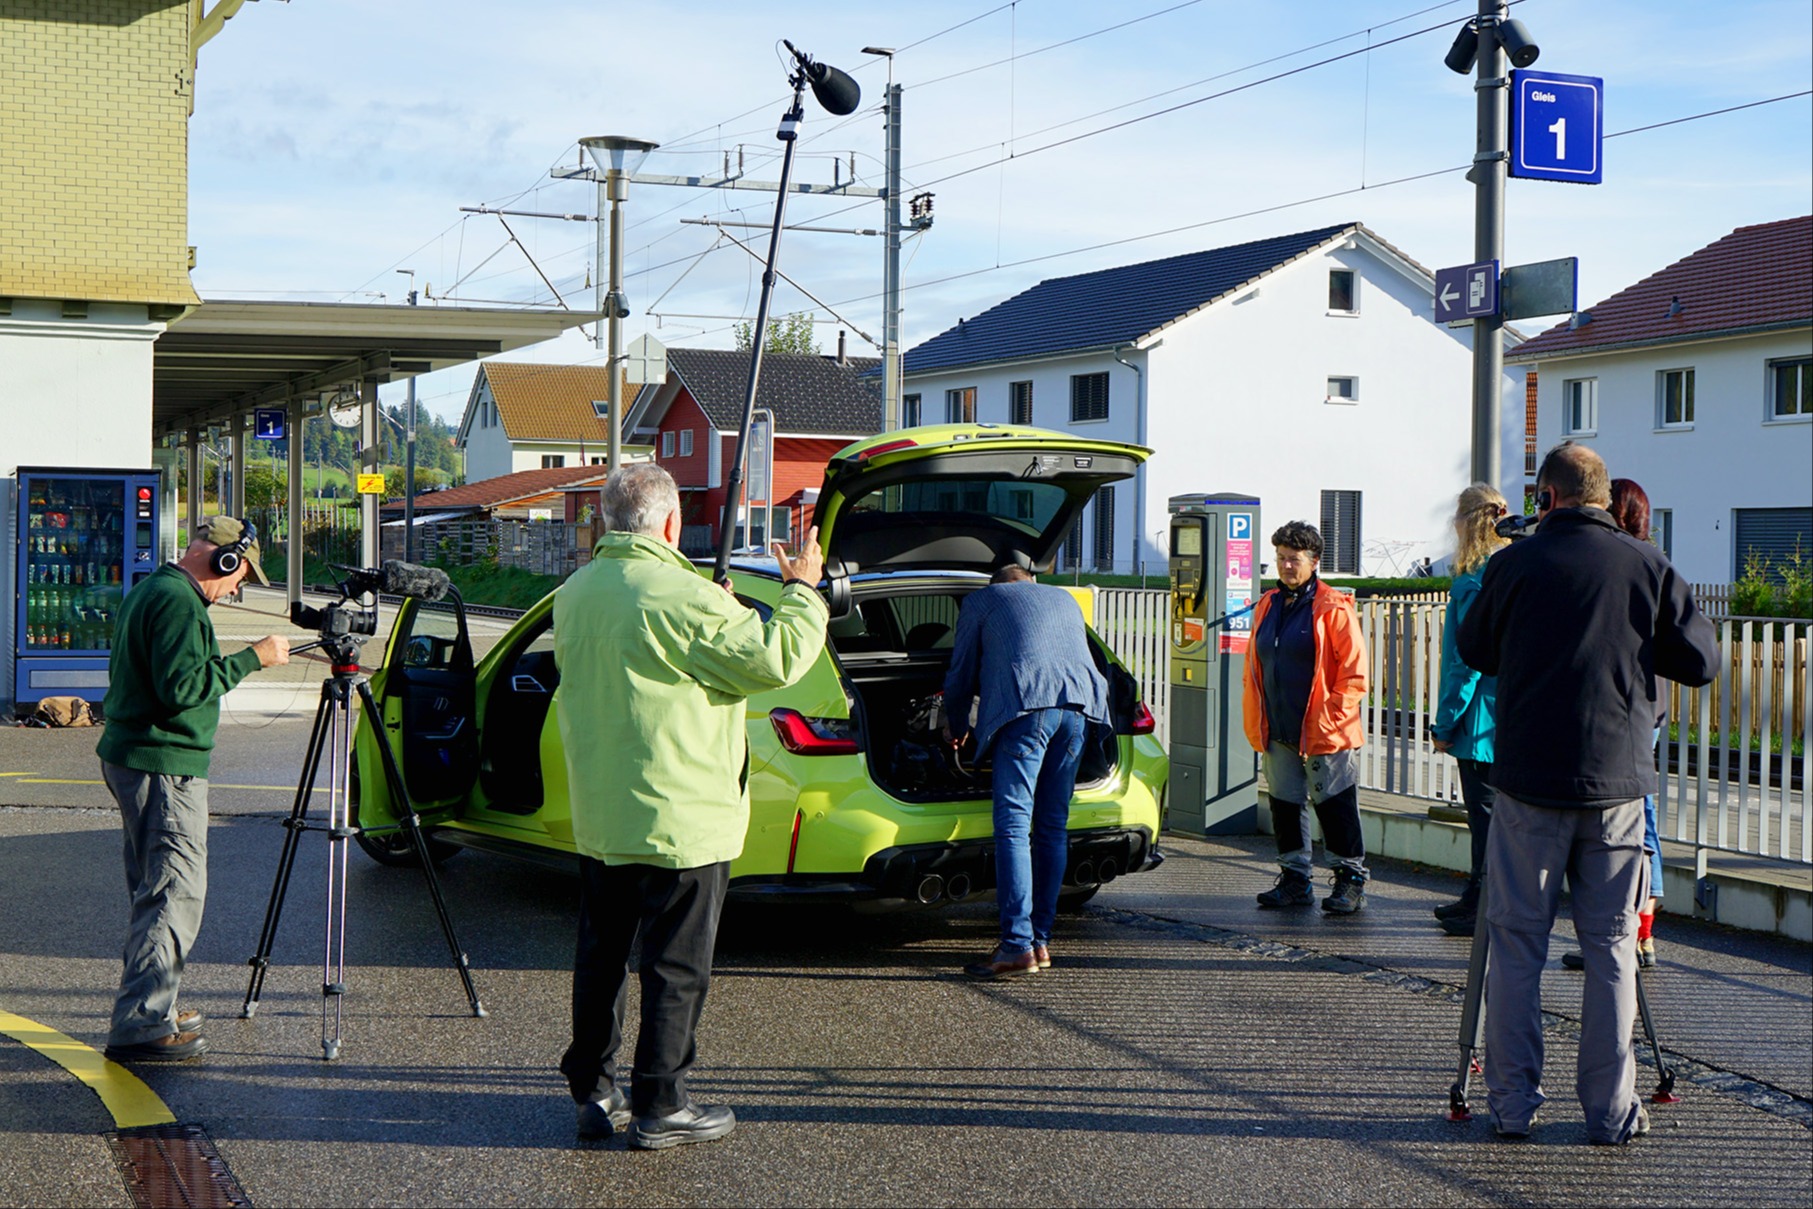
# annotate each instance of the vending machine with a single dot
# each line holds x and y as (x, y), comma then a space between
(85, 537)
(1214, 582)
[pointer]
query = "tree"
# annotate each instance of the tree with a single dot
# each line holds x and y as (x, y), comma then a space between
(788, 334)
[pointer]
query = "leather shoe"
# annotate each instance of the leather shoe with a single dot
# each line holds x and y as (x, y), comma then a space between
(1002, 964)
(1460, 925)
(1042, 955)
(694, 1123)
(190, 1020)
(602, 1118)
(177, 1047)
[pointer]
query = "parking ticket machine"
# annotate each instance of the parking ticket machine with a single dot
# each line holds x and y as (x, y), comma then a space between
(1214, 582)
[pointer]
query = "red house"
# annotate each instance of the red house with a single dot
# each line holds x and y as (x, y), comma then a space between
(819, 405)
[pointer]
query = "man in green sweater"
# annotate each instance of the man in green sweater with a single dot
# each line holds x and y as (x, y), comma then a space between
(165, 681)
(655, 662)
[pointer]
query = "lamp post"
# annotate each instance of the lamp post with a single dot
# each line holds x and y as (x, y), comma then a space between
(839, 95)
(890, 290)
(409, 456)
(608, 153)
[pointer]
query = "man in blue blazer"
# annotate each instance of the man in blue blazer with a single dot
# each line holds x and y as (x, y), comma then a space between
(1022, 650)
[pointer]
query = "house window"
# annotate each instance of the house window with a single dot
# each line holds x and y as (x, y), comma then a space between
(600, 461)
(960, 405)
(1345, 389)
(1580, 406)
(601, 408)
(1019, 402)
(1104, 529)
(1341, 297)
(686, 442)
(1662, 530)
(1088, 397)
(1341, 532)
(1674, 398)
(667, 444)
(909, 411)
(1791, 389)
(550, 461)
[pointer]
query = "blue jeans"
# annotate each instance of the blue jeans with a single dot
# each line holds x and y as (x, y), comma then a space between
(1035, 758)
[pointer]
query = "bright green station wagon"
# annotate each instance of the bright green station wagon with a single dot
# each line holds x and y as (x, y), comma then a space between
(852, 795)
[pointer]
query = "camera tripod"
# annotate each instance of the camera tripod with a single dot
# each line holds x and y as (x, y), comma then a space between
(1473, 1026)
(332, 735)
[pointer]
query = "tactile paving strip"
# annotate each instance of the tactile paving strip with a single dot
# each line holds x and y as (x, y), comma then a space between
(174, 1167)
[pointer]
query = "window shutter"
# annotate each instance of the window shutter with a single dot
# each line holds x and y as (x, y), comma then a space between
(1774, 534)
(1341, 532)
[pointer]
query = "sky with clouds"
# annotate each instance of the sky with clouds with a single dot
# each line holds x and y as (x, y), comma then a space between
(334, 142)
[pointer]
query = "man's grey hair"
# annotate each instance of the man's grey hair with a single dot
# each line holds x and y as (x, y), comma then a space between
(1576, 472)
(1011, 573)
(639, 498)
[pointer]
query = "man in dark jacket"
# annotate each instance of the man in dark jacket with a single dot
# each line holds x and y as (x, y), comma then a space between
(1022, 650)
(1575, 621)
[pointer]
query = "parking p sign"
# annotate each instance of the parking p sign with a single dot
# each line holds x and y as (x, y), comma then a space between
(1556, 127)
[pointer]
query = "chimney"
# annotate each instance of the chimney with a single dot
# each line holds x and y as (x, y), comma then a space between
(840, 347)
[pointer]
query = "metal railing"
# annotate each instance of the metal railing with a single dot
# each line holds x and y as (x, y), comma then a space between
(1734, 761)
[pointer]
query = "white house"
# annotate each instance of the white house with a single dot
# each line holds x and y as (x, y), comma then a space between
(1697, 382)
(1306, 369)
(523, 416)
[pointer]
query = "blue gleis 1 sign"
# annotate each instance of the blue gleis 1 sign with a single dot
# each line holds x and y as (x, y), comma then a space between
(1556, 128)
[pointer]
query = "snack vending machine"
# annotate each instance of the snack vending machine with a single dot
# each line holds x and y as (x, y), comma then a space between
(85, 537)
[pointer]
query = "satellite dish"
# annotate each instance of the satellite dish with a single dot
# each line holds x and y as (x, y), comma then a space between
(344, 409)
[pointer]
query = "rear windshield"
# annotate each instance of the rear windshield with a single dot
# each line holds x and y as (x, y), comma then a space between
(1028, 506)
(919, 622)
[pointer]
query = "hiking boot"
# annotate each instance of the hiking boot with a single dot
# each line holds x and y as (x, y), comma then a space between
(1292, 889)
(1646, 953)
(1460, 925)
(1349, 895)
(1466, 904)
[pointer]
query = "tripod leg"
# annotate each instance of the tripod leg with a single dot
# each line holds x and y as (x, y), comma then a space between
(399, 796)
(1665, 1087)
(333, 955)
(1472, 1016)
(293, 829)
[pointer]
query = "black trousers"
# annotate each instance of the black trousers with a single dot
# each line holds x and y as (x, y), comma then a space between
(1480, 798)
(1339, 815)
(674, 914)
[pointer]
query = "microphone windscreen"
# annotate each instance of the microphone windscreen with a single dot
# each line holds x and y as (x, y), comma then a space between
(409, 579)
(835, 90)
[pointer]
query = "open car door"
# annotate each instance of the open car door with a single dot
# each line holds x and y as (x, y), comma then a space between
(429, 700)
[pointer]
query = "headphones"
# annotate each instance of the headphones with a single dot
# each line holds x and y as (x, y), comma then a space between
(226, 559)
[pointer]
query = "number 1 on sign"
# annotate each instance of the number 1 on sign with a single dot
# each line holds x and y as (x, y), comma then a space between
(1559, 130)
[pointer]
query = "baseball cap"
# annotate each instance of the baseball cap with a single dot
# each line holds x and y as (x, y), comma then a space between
(226, 530)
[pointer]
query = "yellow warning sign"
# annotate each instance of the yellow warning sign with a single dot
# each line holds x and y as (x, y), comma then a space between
(371, 484)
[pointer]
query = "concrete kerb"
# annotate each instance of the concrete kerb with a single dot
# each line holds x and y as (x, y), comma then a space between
(1753, 893)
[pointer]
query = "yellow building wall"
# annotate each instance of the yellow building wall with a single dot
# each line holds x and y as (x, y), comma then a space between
(94, 150)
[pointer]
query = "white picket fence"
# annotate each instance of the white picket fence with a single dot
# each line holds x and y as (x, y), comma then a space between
(1733, 779)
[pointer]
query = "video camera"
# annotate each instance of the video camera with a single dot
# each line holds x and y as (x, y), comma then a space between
(344, 627)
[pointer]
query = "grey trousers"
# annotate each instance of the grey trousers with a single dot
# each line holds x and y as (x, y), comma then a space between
(165, 821)
(1601, 853)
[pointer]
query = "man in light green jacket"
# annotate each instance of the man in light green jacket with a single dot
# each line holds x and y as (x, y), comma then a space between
(655, 662)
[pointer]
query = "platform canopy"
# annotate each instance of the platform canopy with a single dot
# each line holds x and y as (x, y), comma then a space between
(227, 357)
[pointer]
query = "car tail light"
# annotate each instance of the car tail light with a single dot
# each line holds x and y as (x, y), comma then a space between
(805, 736)
(885, 447)
(1143, 721)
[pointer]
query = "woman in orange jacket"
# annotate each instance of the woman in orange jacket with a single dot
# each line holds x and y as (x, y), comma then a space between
(1305, 688)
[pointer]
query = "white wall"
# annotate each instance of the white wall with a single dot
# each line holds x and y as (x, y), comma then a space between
(1237, 402)
(75, 392)
(1734, 456)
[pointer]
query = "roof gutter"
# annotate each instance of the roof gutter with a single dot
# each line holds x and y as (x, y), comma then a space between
(1139, 475)
(1735, 333)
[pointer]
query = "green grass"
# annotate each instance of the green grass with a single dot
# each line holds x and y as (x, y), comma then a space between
(502, 587)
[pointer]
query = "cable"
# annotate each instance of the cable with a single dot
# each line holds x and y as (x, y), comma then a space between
(1711, 113)
(1027, 54)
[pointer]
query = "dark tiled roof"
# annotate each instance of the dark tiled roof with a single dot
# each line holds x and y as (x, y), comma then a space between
(1109, 306)
(808, 394)
(504, 489)
(1756, 278)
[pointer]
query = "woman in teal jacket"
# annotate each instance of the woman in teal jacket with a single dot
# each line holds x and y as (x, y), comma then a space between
(1463, 713)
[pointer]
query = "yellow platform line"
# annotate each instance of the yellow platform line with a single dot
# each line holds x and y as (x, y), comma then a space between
(25, 778)
(122, 1093)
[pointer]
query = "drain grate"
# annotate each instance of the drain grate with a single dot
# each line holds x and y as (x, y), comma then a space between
(174, 1167)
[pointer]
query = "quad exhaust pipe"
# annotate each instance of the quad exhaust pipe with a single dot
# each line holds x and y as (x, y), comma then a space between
(930, 889)
(958, 886)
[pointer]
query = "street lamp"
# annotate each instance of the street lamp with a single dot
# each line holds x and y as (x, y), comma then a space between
(839, 95)
(609, 153)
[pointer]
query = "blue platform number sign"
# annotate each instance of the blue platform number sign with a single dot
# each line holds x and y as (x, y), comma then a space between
(269, 424)
(1557, 131)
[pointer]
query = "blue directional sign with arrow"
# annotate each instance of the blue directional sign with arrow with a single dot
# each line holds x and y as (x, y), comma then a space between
(1466, 291)
(1557, 128)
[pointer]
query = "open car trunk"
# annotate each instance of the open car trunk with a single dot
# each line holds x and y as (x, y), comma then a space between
(894, 647)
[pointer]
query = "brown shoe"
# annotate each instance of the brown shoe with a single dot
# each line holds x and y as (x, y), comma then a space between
(190, 1020)
(177, 1047)
(1000, 964)
(1042, 955)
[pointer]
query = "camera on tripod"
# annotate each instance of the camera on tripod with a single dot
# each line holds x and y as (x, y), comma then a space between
(342, 627)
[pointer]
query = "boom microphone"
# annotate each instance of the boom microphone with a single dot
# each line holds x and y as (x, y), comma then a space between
(398, 578)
